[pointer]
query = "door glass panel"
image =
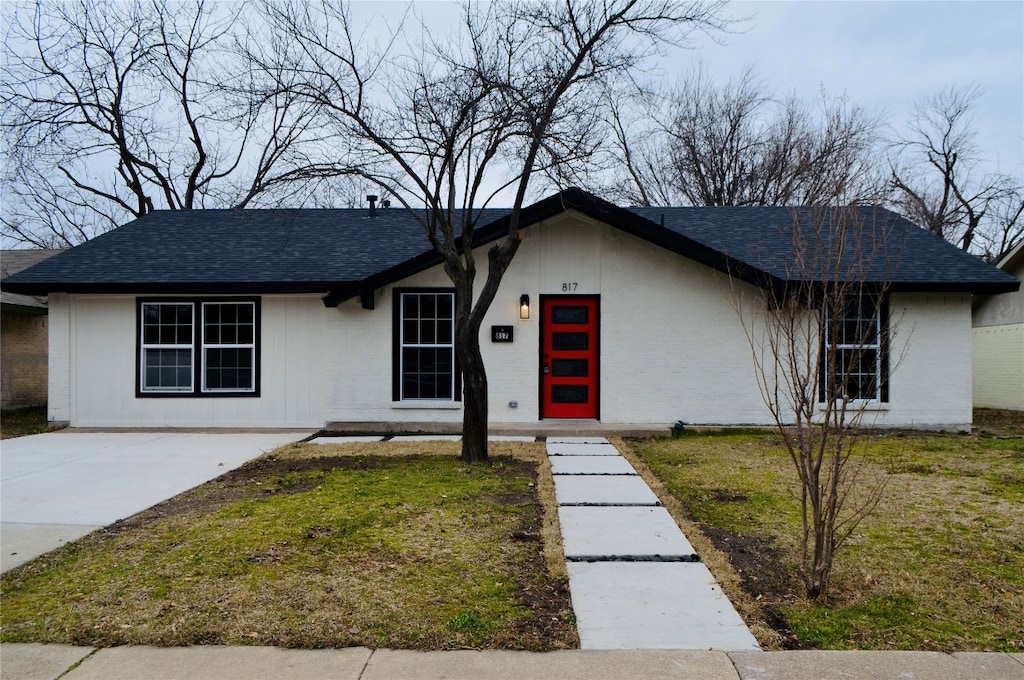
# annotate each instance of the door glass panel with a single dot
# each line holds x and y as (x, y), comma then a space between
(570, 341)
(569, 368)
(569, 315)
(569, 394)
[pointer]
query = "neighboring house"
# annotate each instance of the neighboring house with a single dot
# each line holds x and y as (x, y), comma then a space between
(999, 342)
(301, 318)
(23, 339)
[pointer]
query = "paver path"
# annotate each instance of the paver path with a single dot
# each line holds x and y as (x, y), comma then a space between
(635, 580)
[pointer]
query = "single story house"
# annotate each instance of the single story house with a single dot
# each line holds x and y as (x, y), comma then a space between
(23, 335)
(300, 318)
(999, 342)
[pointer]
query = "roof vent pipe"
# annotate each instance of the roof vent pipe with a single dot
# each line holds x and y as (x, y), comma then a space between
(385, 203)
(372, 199)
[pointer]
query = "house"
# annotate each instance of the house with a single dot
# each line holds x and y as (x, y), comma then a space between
(301, 318)
(999, 342)
(23, 337)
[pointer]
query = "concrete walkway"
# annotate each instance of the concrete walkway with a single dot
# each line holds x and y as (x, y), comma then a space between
(49, 662)
(635, 581)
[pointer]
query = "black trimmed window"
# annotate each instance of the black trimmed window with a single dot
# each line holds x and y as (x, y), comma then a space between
(425, 368)
(855, 362)
(198, 347)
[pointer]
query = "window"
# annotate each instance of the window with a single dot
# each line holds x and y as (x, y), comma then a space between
(854, 362)
(218, 358)
(425, 366)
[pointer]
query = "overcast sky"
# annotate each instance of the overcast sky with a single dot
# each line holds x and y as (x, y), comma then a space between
(884, 55)
(887, 55)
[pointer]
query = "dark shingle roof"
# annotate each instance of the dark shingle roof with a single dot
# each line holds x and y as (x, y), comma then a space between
(14, 261)
(348, 252)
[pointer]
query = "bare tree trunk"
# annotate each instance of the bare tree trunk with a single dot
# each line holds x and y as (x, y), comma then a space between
(474, 406)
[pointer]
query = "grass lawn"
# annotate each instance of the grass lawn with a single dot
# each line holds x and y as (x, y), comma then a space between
(384, 545)
(22, 421)
(938, 566)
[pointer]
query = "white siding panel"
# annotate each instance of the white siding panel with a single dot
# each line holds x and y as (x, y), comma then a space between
(999, 366)
(58, 405)
(103, 370)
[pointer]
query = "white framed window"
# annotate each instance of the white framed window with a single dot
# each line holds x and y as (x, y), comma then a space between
(229, 346)
(198, 347)
(167, 359)
(425, 365)
(854, 365)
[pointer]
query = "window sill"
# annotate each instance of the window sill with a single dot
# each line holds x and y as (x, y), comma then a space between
(428, 405)
(862, 406)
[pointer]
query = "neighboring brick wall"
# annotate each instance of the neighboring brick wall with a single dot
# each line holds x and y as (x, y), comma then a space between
(999, 366)
(23, 346)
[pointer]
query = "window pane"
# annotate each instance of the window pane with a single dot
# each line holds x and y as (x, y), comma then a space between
(229, 368)
(569, 314)
(427, 373)
(166, 324)
(427, 335)
(569, 367)
(167, 369)
(570, 341)
(444, 332)
(569, 394)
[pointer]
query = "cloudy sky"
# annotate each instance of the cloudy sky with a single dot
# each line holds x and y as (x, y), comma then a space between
(887, 55)
(884, 54)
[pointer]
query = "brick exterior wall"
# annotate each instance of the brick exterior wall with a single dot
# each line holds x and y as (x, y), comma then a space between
(23, 345)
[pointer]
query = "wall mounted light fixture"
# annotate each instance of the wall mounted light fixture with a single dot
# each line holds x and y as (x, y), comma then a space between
(524, 306)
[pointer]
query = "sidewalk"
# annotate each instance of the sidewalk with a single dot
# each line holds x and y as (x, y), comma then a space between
(49, 662)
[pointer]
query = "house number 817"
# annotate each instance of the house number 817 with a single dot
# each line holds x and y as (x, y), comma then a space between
(569, 286)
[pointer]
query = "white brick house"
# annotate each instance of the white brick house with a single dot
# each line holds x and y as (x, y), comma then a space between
(302, 318)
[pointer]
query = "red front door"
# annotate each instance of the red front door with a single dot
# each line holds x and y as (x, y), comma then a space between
(569, 368)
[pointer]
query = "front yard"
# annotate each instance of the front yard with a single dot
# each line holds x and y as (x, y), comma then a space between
(381, 545)
(938, 566)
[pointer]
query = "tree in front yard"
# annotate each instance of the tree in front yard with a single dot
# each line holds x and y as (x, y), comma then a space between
(445, 123)
(822, 347)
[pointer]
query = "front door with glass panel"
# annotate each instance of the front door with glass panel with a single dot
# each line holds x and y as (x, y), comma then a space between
(569, 352)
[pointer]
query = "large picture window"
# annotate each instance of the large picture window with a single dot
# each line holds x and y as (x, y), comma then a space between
(854, 362)
(425, 365)
(198, 347)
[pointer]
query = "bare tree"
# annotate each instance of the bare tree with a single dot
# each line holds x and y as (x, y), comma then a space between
(112, 110)
(445, 125)
(938, 179)
(822, 346)
(738, 145)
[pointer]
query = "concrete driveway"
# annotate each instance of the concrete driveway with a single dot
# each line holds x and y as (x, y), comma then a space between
(59, 486)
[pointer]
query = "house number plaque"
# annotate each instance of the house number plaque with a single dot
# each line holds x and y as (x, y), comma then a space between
(501, 333)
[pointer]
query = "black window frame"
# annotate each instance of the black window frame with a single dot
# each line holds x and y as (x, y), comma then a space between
(197, 347)
(398, 345)
(829, 341)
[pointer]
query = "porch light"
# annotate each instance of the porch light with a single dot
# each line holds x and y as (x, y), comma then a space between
(524, 306)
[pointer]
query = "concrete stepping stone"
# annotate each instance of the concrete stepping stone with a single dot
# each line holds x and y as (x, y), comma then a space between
(427, 438)
(346, 439)
(617, 532)
(603, 490)
(587, 449)
(577, 440)
(590, 465)
(654, 605)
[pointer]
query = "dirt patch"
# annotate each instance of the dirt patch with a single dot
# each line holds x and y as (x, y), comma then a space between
(763, 573)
